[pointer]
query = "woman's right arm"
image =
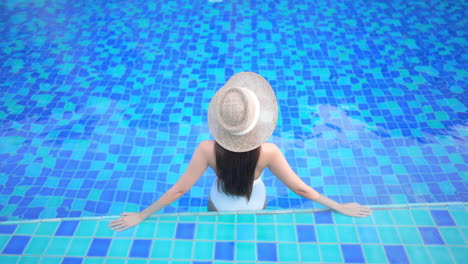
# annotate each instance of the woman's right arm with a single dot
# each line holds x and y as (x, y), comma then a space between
(279, 166)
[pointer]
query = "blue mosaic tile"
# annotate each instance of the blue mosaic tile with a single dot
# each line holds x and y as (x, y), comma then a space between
(7, 229)
(396, 254)
(185, 231)
(69, 260)
(66, 228)
(99, 247)
(324, 217)
(306, 233)
(224, 251)
(16, 245)
(353, 254)
(442, 218)
(267, 252)
(140, 248)
(431, 236)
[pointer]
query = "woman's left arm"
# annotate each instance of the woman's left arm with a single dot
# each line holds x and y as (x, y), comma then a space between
(197, 166)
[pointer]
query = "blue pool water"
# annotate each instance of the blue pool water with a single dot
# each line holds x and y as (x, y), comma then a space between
(103, 102)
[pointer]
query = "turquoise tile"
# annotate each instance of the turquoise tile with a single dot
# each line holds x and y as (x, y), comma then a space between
(225, 232)
(245, 232)
(374, 254)
(418, 254)
(86, 228)
(37, 246)
(440, 254)
(10, 259)
(128, 233)
(422, 218)
(58, 246)
(331, 253)
(246, 218)
(459, 254)
(3, 241)
(402, 217)
(285, 218)
(207, 218)
(388, 235)
(95, 261)
(161, 249)
(410, 235)
(341, 219)
(204, 231)
(166, 230)
(288, 252)
(304, 218)
(362, 220)
(286, 233)
(326, 234)
(245, 251)
(347, 234)
(265, 218)
(266, 233)
(47, 228)
(119, 247)
(460, 217)
(187, 218)
(452, 236)
(29, 260)
(102, 230)
(170, 219)
(116, 261)
(309, 253)
(146, 230)
(157, 261)
(182, 249)
(228, 218)
(26, 229)
(203, 250)
(51, 260)
(382, 217)
(464, 231)
(79, 247)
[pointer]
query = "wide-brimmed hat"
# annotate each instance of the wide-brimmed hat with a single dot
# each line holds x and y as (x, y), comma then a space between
(243, 113)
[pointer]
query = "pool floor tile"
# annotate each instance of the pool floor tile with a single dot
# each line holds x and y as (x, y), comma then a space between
(265, 239)
(246, 251)
(331, 253)
(375, 254)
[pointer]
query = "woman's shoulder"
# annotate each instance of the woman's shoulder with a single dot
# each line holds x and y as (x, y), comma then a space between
(268, 153)
(270, 147)
(206, 145)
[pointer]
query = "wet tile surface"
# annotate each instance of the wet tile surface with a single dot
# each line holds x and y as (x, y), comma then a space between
(355, 241)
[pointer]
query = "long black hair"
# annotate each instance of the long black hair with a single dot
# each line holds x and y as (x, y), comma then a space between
(236, 170)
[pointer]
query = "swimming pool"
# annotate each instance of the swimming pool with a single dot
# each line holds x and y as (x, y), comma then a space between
(103, 103)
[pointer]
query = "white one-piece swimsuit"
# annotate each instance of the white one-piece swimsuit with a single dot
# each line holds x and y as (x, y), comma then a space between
(224, 202)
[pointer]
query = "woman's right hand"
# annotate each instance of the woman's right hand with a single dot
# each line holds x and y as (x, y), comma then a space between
(354, 209)
(126, 221)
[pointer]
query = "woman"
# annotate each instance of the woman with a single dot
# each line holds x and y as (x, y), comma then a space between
(242, 116)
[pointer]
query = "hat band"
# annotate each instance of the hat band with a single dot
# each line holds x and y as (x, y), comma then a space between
(256, 114)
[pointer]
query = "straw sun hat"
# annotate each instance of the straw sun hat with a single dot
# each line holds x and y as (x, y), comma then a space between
(243, 113)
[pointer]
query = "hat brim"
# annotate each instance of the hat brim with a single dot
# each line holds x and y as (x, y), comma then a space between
(267, 120)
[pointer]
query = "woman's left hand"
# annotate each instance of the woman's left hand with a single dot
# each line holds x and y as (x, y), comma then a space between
(354, 209)
(126, 221)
